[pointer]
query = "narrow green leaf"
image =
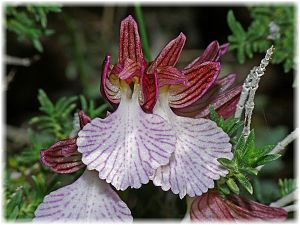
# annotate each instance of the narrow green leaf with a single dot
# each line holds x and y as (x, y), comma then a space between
(83, 103)
(244, 182)
(37, 44)
(213, 115)
(226, 162)
(266, 159)
(233, 186)
(249, 170)
(224, 188)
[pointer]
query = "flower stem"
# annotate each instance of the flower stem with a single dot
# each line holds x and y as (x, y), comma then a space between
(145, 45)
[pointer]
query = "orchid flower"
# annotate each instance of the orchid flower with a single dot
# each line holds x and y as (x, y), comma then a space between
(193, 166)
(88, 198)
(211, 206)
(128, 145)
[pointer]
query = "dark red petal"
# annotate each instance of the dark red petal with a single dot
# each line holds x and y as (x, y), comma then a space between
(222, 50)
(83, 119)
(212, 53)
(228, 108)
(62, 157)
(200, 78)
(130, 44)
(169, 55)
(107, 89)
(170, 76)
(127, 69)
(149, 90)
(210, 206)
(223, 102)
(209, 54)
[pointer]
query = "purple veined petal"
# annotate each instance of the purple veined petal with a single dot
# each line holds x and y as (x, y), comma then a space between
(62, 157)
(212, 207)
(193, 166)
(169, 55)
(88, 199)
(127, 146)
(130, 43)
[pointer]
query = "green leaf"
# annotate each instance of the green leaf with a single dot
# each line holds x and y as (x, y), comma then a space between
(226, 162)
(233, 186)
(235, 26)
(244, 182)
(213, 115)
(266, 159)
(286, 186)
(224, 188)
(12, 207)
(37, 44)
(249, 170)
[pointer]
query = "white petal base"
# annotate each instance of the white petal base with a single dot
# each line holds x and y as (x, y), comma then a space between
(127, 146)
(193, 166)
(87, 199)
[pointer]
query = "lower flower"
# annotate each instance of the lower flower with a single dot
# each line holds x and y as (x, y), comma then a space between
(211, 206)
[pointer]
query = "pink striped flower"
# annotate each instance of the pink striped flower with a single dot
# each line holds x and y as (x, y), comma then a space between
(128, 145)
(193, 166)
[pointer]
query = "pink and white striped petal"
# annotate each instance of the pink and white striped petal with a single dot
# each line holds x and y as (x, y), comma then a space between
(127, 146)
(88, 199)
(193, 166)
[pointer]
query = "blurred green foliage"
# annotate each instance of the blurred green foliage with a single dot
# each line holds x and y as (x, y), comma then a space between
(286, 186)
(30, 22)
(271, 25)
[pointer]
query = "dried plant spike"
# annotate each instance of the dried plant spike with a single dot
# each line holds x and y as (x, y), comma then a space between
(285, 200)
(246, 86)
(257, 73)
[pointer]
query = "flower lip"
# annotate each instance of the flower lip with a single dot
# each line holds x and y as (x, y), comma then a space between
(88, 199)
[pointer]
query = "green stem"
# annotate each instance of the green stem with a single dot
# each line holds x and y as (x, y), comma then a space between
(145, 45)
